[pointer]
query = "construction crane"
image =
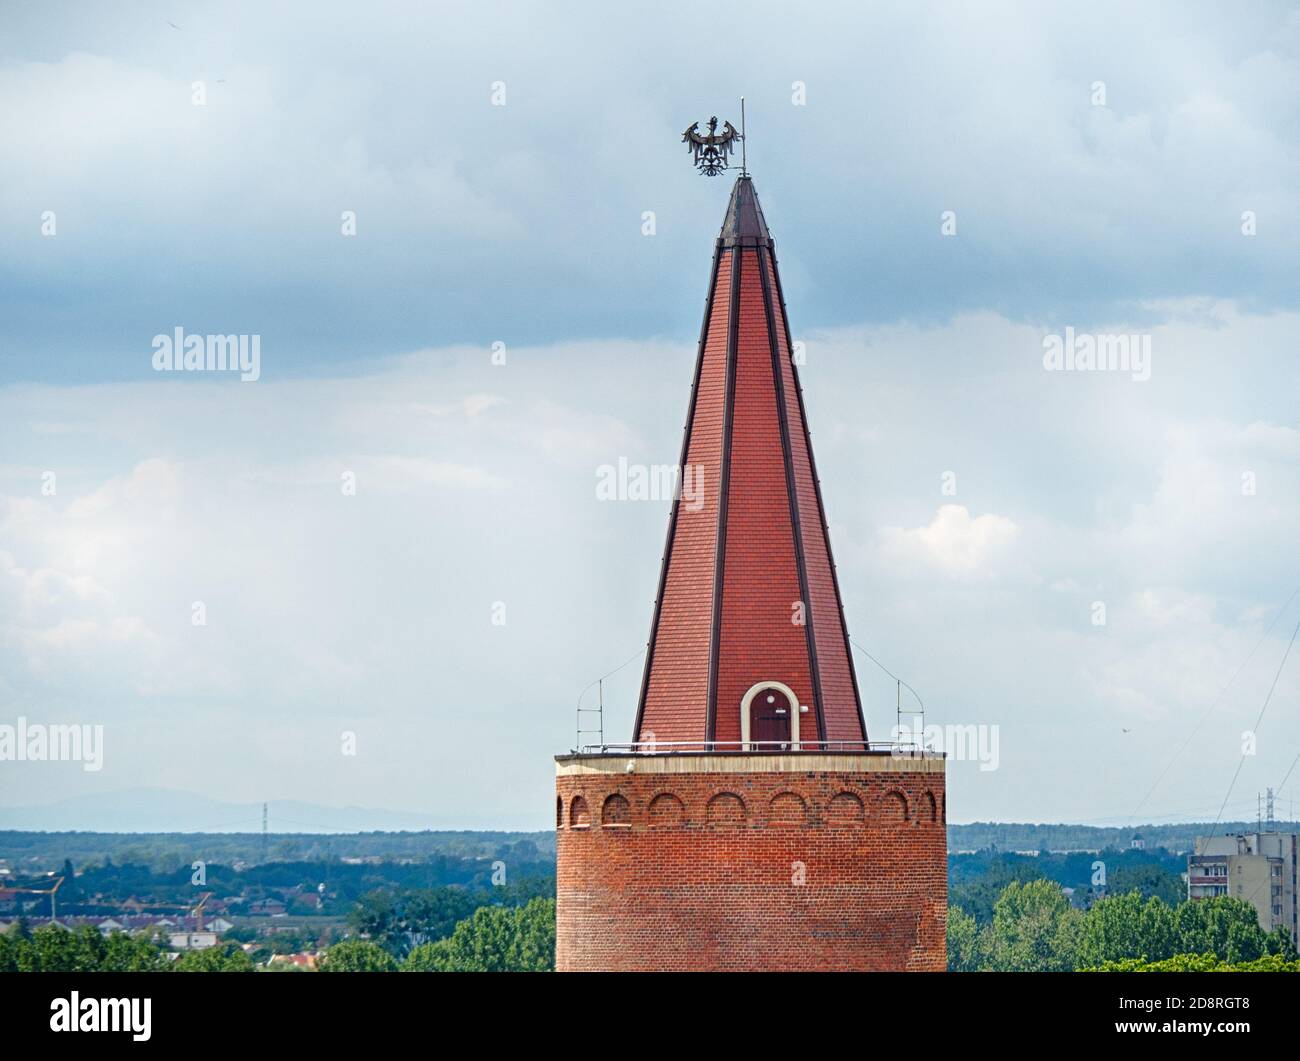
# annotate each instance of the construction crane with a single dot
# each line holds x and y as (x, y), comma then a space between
(197, 912)
(51, 892)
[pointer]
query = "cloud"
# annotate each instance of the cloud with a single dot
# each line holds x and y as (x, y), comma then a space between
(475, 484)
(406, 473)
(953, 542)
(522, 223)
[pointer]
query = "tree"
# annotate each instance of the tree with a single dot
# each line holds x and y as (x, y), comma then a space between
(9, 944)
(56, 950)
(977, 895)
(494, 939)
(131, 954)
(433, 957)
(1201, 963)
(534, 945)
(53, 949)
(407, 918)
(967, 943)
(1282, 945)
(1150, 880)
(357, 956)
(1034, 928)
(1123, 926)
(223, 958)
(1224, 926)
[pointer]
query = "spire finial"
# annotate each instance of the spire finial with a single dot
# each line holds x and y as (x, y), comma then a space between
(712, 150)
(744, 168)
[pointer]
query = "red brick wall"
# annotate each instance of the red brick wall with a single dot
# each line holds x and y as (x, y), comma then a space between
(749, 880)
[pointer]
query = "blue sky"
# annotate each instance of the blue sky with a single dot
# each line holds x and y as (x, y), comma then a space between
(523, 224)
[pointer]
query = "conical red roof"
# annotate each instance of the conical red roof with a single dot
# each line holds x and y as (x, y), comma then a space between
(747, 595)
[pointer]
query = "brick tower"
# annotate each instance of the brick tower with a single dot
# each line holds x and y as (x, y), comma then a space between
(750, 825)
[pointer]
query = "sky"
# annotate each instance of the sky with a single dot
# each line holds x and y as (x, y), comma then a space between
(394, 532)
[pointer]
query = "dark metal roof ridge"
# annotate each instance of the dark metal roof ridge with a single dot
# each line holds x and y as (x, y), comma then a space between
(744, 224)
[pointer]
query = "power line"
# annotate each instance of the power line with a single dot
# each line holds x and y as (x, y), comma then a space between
(1242, 761)
(639, 652)
(1119, 821)
(1213, 704)
(599, 709)
(1279, 788)
(889, 672)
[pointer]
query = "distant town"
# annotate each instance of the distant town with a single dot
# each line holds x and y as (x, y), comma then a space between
(279, 900)
(283, 902)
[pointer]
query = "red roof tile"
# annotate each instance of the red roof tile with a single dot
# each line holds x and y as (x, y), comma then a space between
(750, 549)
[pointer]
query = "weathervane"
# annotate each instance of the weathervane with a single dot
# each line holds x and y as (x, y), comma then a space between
(712, 150)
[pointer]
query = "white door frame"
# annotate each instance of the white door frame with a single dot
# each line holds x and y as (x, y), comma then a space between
(795, 710)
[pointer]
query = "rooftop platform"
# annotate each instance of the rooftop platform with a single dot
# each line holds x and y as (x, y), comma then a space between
(698, 759)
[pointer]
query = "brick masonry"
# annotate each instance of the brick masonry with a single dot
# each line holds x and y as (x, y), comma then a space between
(750, 863)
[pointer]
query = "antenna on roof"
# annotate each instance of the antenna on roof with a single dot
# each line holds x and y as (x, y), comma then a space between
(744, 168)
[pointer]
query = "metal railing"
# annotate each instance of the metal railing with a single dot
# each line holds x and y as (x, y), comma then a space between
(716, 747)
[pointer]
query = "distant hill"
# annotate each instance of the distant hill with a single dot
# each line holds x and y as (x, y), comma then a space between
(164, 827)
(32, 853)
(1012, 836)
(163, 810)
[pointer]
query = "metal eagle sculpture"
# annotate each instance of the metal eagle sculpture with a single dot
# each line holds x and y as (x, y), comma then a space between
(711, 151)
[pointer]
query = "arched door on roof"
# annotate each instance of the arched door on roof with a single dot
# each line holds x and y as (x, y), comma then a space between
(769, 721)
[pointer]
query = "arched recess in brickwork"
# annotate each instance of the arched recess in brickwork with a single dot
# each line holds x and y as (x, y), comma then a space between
(666, 811)
(559, 811)
(929, 809)
(845, 808)
(893, 806)
(579, 815)
(787, 808)
(616, 813)
(727, 809)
